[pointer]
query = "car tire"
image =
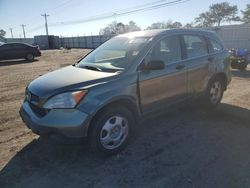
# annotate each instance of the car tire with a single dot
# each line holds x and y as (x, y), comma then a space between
(29, 57)
(214, 92)
(110, 130)
(242, 67)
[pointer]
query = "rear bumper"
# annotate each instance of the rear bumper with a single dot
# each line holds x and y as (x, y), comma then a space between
(70, 123)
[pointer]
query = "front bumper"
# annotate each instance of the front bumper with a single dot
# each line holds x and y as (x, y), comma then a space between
(65, 122)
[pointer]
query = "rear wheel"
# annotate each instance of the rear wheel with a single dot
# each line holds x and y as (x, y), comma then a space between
(110, 130)
(29, 57)
(214, 92)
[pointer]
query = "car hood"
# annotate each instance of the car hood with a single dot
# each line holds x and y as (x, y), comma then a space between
(66, 79)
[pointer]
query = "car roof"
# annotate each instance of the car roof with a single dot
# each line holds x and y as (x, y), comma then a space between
(156, 32)
(15, 43)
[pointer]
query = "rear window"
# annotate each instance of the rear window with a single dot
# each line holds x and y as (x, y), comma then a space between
(5, 46)
(195, 46)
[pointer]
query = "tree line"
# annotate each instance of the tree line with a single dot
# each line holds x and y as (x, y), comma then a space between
(215, 15)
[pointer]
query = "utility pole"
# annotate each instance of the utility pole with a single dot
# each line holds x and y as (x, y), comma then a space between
(11, 32)
(46, 24)
(24, 36)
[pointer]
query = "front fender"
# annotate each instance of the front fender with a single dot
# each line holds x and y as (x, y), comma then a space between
(102, 95)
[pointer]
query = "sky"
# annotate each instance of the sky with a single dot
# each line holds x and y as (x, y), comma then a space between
(13, 13)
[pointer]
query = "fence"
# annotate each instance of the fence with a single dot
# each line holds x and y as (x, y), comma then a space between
(69, 42)
(234, 36)
(24, 40)
(83, 42)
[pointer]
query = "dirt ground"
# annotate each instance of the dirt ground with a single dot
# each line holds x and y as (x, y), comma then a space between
(188, 147)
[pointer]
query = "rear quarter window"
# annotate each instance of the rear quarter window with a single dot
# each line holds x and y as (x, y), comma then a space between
(215, 46)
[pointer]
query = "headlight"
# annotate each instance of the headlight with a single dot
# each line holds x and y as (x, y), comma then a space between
(65, 100)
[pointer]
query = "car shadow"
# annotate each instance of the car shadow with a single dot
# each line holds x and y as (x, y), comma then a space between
(15, 62)
(43, 163)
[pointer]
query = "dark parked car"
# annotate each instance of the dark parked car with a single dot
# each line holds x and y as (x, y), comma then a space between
(128, 77)
(18, 51)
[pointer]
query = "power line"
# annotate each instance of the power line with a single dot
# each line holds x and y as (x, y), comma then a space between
(46, 24)
(31, 21)
(59, 6)
(24, 36)
(35, 28)
(145, 5)
(140, 8)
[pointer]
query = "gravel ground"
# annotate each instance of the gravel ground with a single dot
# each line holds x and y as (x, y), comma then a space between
(188, 147)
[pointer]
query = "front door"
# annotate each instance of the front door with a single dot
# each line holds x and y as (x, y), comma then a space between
(160, 88)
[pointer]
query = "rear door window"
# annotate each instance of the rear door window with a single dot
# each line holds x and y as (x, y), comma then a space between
(195, 46)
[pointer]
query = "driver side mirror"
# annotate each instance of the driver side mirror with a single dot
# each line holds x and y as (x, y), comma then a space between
(152, 65)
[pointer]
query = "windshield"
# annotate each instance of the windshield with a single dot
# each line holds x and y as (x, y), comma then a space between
(114, 55)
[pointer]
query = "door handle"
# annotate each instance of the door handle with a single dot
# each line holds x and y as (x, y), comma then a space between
(179, 67)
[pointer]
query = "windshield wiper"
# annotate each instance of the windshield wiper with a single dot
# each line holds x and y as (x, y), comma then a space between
(91, 68)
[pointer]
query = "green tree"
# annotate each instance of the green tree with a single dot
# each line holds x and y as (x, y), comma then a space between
(113, 29)
(246, 15)
(189, 25)
(2, 33)
(132, 26)
(165, 25)
(218, 13)
(174, 25)
(118, 28)
(204, 20)
(157, 25)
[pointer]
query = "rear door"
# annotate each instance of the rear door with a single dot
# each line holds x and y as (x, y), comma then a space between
(197, 61)
(160, 88)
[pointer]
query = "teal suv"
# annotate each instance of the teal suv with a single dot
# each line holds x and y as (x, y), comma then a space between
(130, 76)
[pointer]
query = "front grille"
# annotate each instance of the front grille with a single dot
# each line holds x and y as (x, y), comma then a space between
(40, 112)
(34, 102)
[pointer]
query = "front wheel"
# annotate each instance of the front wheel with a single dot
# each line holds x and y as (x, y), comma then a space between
(29, 57)
(110, 130)
(214, 93)
(242, 66)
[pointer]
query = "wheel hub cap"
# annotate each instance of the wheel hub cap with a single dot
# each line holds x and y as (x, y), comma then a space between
(215, 92)
(114, 132)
